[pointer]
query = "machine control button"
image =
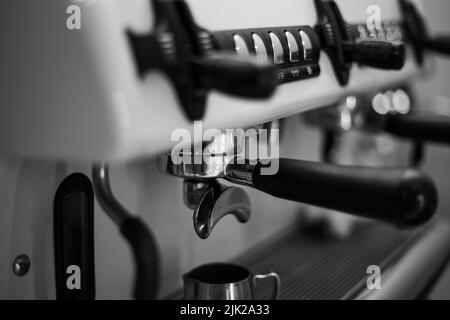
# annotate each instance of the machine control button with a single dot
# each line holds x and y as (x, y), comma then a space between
(278, 52)
(260, 48)
(311, 71)
(294, 53)
(295, 73)
(307, 46)
(304, 72)
(240, 46)
(283, 76)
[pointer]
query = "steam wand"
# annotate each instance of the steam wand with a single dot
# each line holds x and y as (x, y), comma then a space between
(135, 231)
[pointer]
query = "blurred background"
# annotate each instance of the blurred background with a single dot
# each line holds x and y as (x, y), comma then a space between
(438, 87)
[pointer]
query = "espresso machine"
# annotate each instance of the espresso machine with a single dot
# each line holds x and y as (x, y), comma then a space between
(142, 139)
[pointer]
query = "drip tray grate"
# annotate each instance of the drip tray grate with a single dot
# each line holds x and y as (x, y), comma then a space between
(319, 267)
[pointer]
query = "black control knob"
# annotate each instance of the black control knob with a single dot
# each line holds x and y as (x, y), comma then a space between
(440, 44)
(244, 77)
(376, 54)
(405, 197)
(417, 32)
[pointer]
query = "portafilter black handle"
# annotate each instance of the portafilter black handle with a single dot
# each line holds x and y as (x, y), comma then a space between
(430, 128)
(404, 197)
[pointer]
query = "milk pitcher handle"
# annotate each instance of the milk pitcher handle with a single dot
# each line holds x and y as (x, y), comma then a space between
(277, 283)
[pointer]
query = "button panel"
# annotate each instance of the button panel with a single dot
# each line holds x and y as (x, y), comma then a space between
(294, 50)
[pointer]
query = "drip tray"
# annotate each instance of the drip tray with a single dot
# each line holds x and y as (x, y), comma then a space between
(312, 266)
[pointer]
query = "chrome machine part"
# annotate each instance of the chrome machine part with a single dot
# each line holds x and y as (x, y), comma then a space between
(135, 231)
(202, 161)
(211, 200)
(216, 202)
(225, 281)
(21, 265)
(201, 166)
(105, 196)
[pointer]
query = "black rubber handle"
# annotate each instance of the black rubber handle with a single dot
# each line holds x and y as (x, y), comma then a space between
(440, 44)
(145, 252)
(431, 128)
(239, 76)
(377, 54)
(404, 197)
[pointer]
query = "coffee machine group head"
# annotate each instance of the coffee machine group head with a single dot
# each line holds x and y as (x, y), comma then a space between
(405, 197)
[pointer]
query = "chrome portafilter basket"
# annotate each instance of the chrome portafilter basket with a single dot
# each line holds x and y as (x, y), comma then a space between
(201, 166)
